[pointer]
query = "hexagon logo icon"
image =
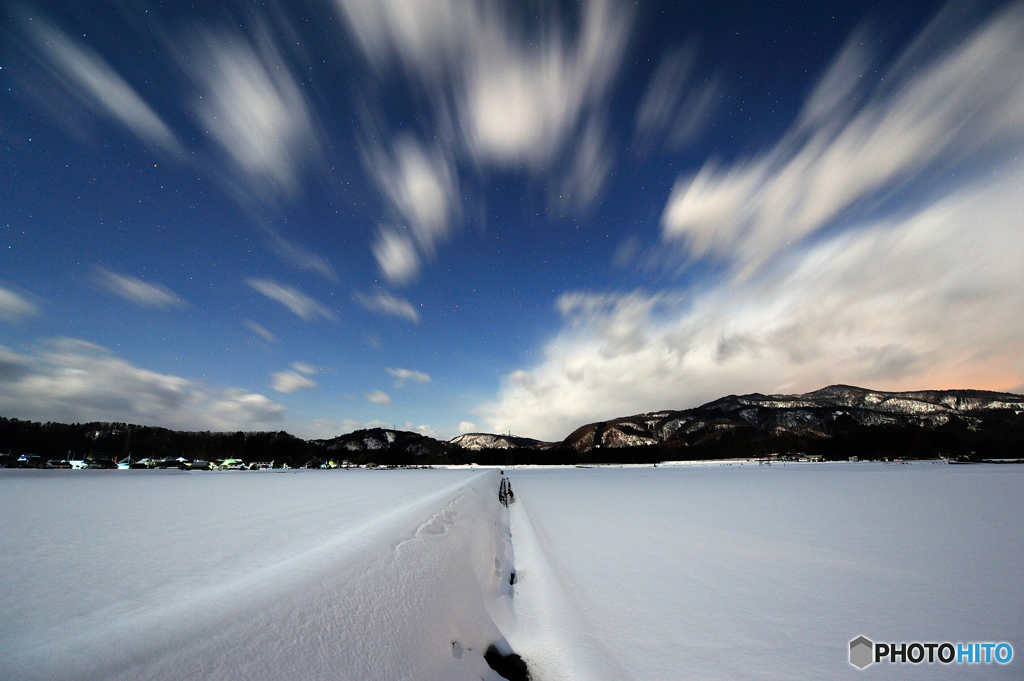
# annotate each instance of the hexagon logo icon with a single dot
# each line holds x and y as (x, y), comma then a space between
(861, 652)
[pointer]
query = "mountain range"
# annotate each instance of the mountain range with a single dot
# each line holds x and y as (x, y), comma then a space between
(833, 423)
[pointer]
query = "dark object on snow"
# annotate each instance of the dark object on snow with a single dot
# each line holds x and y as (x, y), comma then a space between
(510, 666)
(505, 495)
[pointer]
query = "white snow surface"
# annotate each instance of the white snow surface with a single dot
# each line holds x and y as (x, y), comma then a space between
(675, 572)
(751, 572)
(303, 575)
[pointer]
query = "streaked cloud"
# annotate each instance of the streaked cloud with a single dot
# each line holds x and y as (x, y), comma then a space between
(254, 108)
(896, 305)
(75, 381)
(421, 186)
(14, 307)
(396, 256)
(923, 290)
(519, 100)
(304, 368)
(290, 382)
(403, 376)
(378, 397)
(297, 256)
(13, 366)
(508, 89)
(260, 331)
(677, 106)
(419, 34)
(424, 429)
(522, 102)
(92, 81)
(860, 139)
(143, 293)
(388, 304)
(292, 298)
(588, 167)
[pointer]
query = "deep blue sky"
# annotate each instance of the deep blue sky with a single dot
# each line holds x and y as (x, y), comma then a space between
(494, 216)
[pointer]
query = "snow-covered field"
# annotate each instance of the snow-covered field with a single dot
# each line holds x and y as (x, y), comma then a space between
(718, 572)
(748, 572)
(238, 575)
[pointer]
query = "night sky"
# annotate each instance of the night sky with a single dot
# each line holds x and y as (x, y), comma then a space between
(457, 215)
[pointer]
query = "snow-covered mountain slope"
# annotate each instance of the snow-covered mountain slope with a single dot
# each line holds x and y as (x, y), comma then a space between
(394, 446)
(727, 572)
(276, 575)
(479, 441)
(836, 412)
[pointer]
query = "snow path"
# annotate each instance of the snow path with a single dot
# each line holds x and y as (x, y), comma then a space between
(729, 572)
(555, 629)
(309, 575)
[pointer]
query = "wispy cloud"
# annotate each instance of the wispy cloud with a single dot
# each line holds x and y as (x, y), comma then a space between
(677, 106)
(859, 139)
(588, 167)
(520, 102)
(91, 80)
(403, 376)
(292, 298)
(421, 186)
(295, 380)
(14, 307)
(896, 305)
(304, 368)
(386, 303)
(424, 429)
(297, 256)
(378, 397)
(146, 294)
(901, 295)
(73, 380)
(507, 89)
(254, 108)
(466, 427)
(396, 256)
(260, 331)
(291, 381)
